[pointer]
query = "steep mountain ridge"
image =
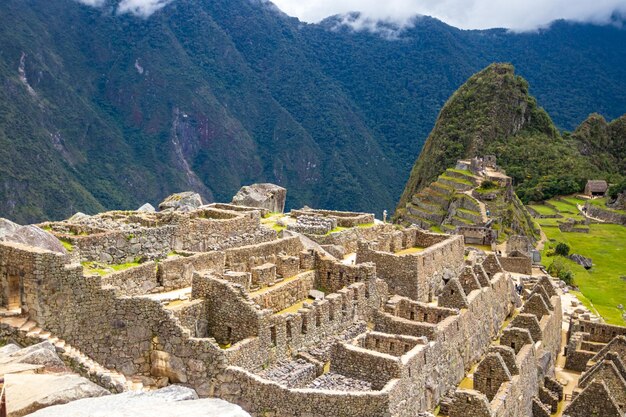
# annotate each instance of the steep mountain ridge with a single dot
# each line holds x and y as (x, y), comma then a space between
(212, 95)
(494, 114)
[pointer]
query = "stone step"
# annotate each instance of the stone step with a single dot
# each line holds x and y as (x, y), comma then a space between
(15, 322)
(28, 326)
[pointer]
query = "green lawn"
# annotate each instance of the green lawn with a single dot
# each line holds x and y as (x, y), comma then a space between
(543, 210)
(601, 288)
(601, 285)
(566, 209)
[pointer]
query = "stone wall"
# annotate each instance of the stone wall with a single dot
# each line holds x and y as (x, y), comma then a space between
(264, 398)
(349, 238)
(116, 247)
(598, 332)
(246, 257)
(121, 333)
(333, 275)
(418, 276)
(520, 264)
(285, 294)
(609, 216)
(391, 344)
(343, 218)
(139, 280)
(459, 342)
(357, 362)
(177, 272)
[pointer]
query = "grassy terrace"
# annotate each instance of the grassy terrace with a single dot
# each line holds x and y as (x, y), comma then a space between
(456, 180)
(543, 210)
(601, 288)
(102, 269)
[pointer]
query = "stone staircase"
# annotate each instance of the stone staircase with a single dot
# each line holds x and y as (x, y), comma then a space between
(27, 331)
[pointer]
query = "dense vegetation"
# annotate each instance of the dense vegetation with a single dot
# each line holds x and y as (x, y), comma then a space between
(210, 95)
(494, 114)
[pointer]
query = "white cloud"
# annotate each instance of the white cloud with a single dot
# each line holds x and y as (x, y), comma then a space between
(94, 3)
(142, 8)
(467, 14)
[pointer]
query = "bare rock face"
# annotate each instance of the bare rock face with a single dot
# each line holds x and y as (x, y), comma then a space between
(146, 208)
(27, 393)
(267, 196)
(172, 401)
(183, 202)
(29, 235)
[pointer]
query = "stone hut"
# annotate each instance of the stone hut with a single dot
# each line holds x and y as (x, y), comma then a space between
(596, 188)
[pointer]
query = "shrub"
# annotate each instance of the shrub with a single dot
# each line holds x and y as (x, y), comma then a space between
(488, 185)
(562, 249)
(558, 268)
(616, 189)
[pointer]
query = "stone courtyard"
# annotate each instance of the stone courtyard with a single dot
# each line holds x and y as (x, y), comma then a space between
(310, 313)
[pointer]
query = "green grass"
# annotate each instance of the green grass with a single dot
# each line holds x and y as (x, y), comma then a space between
(601, 285)
(472, 212)
(575, 200)
(103, 270)
(601, 288)
(543, 210)
(338, 229)
(566, 209)
(456, 180)
(366, 225)
(278, 227)
(436, 229)
(67, 245)
(462, 172)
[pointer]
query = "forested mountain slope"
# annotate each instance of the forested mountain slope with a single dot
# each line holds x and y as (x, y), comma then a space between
(100, 110)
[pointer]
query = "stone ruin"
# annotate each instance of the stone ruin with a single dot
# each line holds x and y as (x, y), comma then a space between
(213, 299)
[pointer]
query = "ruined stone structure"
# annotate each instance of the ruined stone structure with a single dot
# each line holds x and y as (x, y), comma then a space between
(598, 351)
(213, 299)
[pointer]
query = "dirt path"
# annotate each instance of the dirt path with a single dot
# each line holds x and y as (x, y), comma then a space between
(580, 208)
(483, 208)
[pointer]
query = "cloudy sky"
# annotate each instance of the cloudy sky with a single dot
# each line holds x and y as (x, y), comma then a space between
(467, 14)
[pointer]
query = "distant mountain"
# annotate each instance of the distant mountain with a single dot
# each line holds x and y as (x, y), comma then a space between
(99, 110)
(494, 114)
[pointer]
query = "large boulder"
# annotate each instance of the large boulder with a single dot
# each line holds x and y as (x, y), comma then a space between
(172, 401)
(267, 196)
(30, 236)
(586, 263)
(184, 202)
(27, 393)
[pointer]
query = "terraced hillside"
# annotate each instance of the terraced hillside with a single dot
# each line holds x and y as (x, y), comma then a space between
(460, 198)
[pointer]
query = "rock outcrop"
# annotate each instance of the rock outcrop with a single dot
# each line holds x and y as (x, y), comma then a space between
(29, 235)
(172, 401)
(147, 208)
(183, 202)
(586, 263)
(27, 393)
(268, 196)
